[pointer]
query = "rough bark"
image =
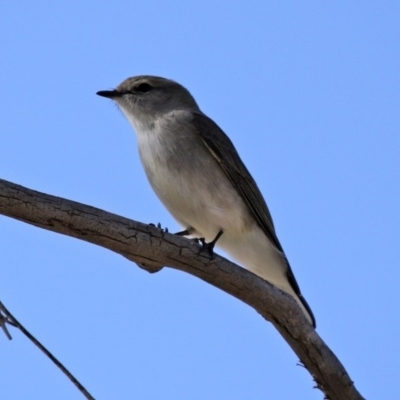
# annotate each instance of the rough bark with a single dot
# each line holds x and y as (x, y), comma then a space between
(151, 248)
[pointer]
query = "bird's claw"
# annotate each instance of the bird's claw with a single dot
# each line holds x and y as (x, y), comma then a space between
(163, 230)
(207, 247)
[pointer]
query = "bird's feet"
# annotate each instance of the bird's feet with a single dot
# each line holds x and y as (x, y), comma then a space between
(163, 230)
(209, 247)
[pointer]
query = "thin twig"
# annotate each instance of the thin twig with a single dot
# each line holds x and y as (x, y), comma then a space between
(4, 320)
(9, 318)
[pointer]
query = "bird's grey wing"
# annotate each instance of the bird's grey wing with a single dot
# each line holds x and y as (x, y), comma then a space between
(223, 150)
(221, 147)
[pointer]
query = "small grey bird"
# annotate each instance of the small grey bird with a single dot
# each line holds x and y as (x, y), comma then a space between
(197, 173)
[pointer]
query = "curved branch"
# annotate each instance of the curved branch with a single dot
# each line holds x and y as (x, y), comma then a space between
(152, 249)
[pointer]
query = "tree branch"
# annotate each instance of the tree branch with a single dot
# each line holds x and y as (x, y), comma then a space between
(152, 249)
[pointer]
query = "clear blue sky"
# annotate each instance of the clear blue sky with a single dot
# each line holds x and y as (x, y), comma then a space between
(309, 94)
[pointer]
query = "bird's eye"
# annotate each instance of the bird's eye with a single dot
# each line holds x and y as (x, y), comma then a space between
(143, 88)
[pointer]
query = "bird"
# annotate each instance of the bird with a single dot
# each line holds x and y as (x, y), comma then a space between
(197, 173)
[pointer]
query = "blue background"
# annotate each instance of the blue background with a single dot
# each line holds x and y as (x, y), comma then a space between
(308, 92)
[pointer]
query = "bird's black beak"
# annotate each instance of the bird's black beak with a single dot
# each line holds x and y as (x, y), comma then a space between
(111, 94)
